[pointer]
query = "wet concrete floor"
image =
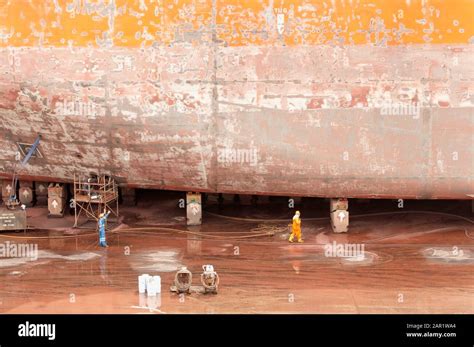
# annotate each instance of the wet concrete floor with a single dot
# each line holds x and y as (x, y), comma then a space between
(418, 262)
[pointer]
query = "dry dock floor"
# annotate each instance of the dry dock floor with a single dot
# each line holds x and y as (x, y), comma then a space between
(411, 262)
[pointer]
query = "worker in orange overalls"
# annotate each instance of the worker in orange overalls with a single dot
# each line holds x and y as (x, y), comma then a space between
(296, 228)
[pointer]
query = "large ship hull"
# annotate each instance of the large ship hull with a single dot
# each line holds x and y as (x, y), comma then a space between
(204, 112)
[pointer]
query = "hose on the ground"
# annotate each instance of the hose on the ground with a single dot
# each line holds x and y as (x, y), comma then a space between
(268, 232)
(259, 231)
(351, 216)
(204, 235)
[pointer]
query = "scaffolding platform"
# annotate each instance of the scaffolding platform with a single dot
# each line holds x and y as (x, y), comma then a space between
(93, 195)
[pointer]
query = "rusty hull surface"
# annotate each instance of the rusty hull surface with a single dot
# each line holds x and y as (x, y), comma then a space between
(409, 265)
(154, 93)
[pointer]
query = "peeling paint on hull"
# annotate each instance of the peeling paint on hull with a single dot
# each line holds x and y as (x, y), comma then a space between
(216, 112)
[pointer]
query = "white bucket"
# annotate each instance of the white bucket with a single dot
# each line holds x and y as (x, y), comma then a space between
(151, 286)
(142, 281)
(157, 280)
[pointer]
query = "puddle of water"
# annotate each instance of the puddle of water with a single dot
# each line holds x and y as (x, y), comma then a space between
(364, 258)
(157, 261)
(45, 255)
(449, 254)
(318, 255)
(73, 257)
(16, 273)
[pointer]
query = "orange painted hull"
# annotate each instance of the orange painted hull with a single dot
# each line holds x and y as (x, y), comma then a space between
(302, 98)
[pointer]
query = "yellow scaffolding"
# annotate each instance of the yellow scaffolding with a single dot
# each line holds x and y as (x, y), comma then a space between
(93, 195)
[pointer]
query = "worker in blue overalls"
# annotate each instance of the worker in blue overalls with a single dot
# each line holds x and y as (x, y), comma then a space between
(102, 222)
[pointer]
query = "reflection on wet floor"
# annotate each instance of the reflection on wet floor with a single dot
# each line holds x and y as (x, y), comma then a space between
(401, 263)
(450, 254)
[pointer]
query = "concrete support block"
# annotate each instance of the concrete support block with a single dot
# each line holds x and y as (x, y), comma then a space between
(26, 193)
(41, 192)
(56, 199)
(193, 209)
(7, 190)
(339, 215)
